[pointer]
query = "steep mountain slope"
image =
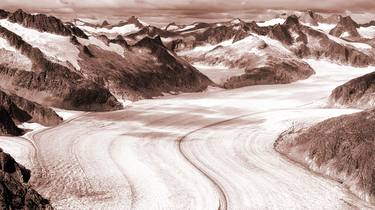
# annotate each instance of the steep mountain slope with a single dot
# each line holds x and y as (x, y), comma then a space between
(341, 147)
(345, 27)
(45, 81)
(15, 193)
(86, 72)
(44, 23)
(14, 109)
(148, 70)
(359, 92)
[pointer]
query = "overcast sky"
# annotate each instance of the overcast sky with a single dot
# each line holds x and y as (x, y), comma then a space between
(364, 5)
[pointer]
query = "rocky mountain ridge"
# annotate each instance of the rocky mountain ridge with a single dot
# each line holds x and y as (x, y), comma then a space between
(93, 74)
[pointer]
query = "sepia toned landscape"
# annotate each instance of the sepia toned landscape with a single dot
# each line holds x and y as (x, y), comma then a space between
(187, 105)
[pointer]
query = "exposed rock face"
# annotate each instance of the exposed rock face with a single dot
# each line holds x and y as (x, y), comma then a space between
(371, 23)
(7, 125)
(14, 191)
(262, 63)
(52, 84)
(22, 110)
(342, 148)
(45, 23)
(359, 92)
(4, 14)
(134, 20)
(136, 77)
(148, 69)
(148, 31)
(346, 25)
(306, 42)
(105, 24)
(311, 18)
(215, 33)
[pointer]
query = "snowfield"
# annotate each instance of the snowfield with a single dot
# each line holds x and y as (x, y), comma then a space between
(219, 74)
(123, 30)
(271, 22)
(61, 50)
(202, 151)
(367, 32)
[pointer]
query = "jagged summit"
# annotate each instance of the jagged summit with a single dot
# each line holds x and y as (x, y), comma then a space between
(345, 27)
(292, 20)
(150, 42)
(43, 23)
(135, 20)
(236, 21)
(104, 24)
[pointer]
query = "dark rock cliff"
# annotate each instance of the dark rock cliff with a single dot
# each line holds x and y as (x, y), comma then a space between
(15, 193)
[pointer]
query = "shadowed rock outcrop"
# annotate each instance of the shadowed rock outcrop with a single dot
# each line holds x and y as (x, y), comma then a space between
(7, 125)
(4, 14)
(22, 110)
(15, 193)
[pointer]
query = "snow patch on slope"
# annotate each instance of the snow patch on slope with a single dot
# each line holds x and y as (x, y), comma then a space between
(367, 32)
(271, 22)
(207, 48)
(31, 126)
(324, 27)
(97, 42)
(218, 73)
(354, 44)
(123, 30)
(55, 46)
(188, 27)
(67, 114)
(273, 42)
(4, 44)
(10, 57)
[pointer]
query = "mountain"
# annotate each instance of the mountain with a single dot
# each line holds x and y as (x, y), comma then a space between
(358, 92)
(86, 72)
(245, 45)
(345, 27)
(15, 110)
(306, 42)
(300, 37)
(132, 25)
(263, 61)
(43, 23)
(136, 77)
(15, 193)
(341, 148)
